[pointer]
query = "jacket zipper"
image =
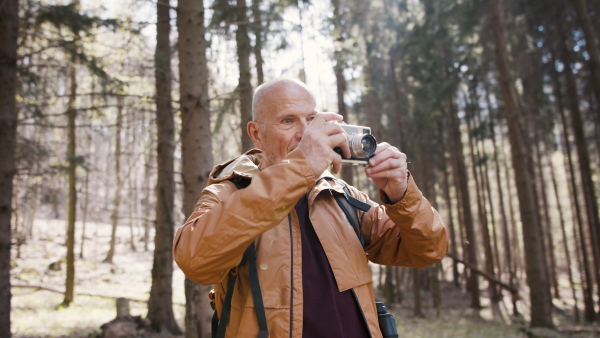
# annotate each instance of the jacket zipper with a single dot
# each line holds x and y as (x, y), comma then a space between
(291, 275)
(361, 312)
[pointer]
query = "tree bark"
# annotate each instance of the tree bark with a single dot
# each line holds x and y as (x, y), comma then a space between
(160, 304)
(9, 32)
(537, 279)
(196, 144)
(244, 86)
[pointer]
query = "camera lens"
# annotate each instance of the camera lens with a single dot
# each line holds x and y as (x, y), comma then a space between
(362, 145)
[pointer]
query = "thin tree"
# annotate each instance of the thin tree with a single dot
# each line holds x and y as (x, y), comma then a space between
(338, 69)
(258, 29)
(71, 172)
(160, 304)
(537, 279)
(581, 145)
(479, 192)
(9, 32)
(117, 198)
(244, 88)
(196, 145)
(462, 185)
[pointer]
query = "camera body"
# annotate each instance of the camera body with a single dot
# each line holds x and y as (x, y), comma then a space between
(361, 142)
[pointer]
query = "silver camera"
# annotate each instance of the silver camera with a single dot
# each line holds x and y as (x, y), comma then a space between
(362, 144)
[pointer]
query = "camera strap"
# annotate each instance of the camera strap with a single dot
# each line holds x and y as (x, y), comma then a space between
(350, 207)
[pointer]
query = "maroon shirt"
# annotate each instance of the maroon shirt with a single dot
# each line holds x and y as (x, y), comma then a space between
(327, 311)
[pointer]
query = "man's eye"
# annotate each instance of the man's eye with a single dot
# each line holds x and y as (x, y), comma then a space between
(287, 121)
(310, 119)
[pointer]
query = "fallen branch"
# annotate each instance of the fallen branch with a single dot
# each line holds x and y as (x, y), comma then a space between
(485, 275)
(46, 288)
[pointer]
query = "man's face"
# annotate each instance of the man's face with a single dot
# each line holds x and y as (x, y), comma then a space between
(287, 114)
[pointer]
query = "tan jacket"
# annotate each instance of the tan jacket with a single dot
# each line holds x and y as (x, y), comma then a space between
(226, 220)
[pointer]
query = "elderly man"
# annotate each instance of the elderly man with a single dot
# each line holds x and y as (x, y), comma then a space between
(313, 272)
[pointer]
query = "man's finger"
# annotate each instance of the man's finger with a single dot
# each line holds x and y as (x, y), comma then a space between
(336, 164)
(389, 164)
(321, 119)
(339, 140)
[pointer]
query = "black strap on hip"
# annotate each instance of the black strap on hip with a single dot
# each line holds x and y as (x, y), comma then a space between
(259, 307)
(226, 311)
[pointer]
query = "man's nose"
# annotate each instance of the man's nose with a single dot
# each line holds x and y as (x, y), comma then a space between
(302, 129)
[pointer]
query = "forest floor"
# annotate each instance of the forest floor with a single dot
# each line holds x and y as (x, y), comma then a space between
(36, 311)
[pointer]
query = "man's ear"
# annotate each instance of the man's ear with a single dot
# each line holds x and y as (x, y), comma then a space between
(253, 130)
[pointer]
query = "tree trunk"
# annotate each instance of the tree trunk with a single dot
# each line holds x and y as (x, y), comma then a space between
(591, 44)
(486, 192)
(585, 171)
(71, 172)
(346, 173)
(147, 209)
(258, 40)
(9, 32)
(547, 229)
(537, 279)
(117, 199)
(244, 86)
(462, 185)
(483, 221)
(196, 146)
(84, 208)
(499, 184)
(160, 304)
(586, 279)
(585, 285)
(418, 304)
(563, 232)
(388, 286)
(450, 219)
(436, 292)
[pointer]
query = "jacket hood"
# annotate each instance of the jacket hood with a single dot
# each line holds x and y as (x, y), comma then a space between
(244, 166)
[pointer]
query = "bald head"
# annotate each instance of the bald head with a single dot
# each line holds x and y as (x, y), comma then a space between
(268, 93)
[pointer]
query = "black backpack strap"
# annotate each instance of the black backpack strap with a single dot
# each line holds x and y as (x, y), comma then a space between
(241, 182)
(349, 206)
(226, 311)
(259, 306)
(219, 326)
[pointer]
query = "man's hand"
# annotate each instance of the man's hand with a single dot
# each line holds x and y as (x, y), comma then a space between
(388, 170)
(319, 140)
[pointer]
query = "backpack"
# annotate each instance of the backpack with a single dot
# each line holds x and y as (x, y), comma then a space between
(349, 206)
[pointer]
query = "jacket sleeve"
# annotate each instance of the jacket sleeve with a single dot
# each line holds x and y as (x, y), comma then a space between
(409, 233)
(226, 220)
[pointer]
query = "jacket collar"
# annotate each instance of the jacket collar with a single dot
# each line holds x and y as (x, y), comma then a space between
(244, 166)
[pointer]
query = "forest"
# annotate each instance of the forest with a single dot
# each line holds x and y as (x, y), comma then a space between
(113, 113)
